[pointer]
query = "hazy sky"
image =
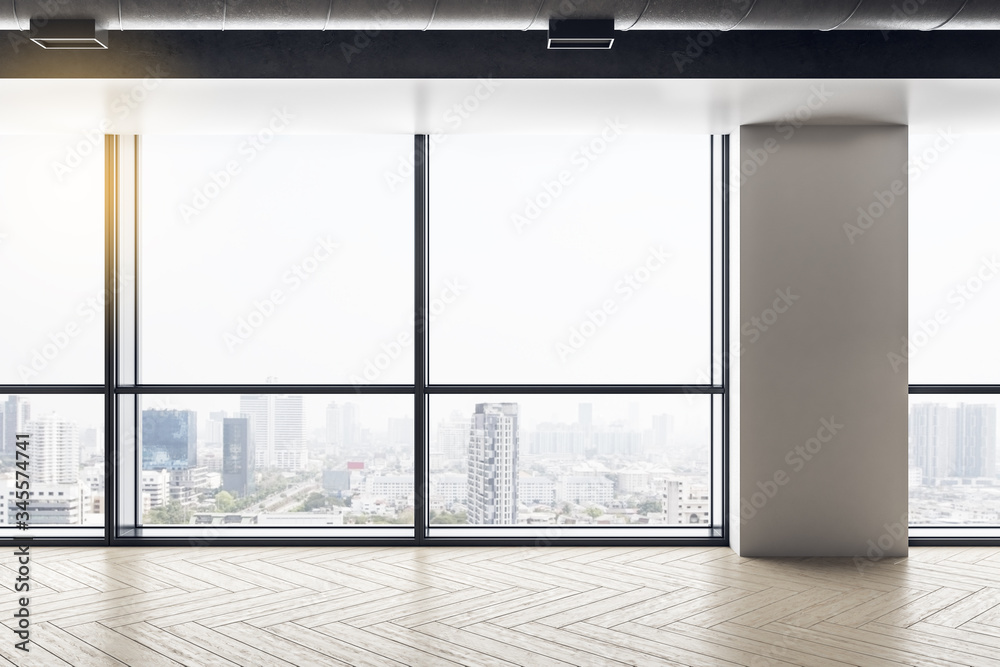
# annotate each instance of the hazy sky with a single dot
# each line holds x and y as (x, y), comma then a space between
(293, 259)
(954, 260)
(51, 261)
(584, 259)
(309, 241)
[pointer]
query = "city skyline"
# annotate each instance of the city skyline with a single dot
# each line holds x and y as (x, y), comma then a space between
(617, 453)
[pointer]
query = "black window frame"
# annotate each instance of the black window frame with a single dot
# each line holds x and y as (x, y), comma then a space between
(115, 391)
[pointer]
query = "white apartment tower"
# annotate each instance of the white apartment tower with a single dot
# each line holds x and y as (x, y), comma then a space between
(492, 465)
(343, 429)
(277, 425)
(55, 451)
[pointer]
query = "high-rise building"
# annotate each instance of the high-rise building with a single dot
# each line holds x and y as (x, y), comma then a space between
(214, 434)
(932, 433)
(958, 441)
(238, 450)
(277, 424)
(169, 439)
(343, 428)
(584, 439)
(17, 413)
(187, 484)
(633, 416)
(155, 489)
(663, 432)
(91, 443)
(334, 429)
(975, 440)
(618, 440)
(684, 501)
(55, 451)
(452, 437)
(401, 431)
(58, 496)
(558, 441)
(492, 465)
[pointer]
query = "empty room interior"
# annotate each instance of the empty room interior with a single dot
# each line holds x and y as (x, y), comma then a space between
(533, 332)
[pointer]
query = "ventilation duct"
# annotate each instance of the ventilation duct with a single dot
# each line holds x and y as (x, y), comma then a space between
(510, 14)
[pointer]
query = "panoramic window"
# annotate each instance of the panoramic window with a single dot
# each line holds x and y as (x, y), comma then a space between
(953, 304)
(266, 262)
(277, 267)
(52, 442)
(590, 265)
(308, 338)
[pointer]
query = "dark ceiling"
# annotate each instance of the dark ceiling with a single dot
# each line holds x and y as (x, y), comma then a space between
(514, 54)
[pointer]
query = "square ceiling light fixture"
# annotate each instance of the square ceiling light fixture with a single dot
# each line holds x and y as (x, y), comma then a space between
(68, 34)
(581, 33)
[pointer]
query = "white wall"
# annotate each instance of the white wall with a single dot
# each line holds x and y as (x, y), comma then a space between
(516, 106)
(822, 460)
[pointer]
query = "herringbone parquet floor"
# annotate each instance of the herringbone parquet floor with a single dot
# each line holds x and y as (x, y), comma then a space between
(491, 606)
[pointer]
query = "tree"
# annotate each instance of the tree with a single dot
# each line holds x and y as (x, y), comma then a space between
(173, 513)
(224, 502)
(405, 517)
(650, 507)
(447, 517)
(315, 501)
(593, 511)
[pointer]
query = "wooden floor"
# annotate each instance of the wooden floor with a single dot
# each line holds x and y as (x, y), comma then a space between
(516, 606)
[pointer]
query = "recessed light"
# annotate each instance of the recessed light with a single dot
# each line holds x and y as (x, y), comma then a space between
(68, 34)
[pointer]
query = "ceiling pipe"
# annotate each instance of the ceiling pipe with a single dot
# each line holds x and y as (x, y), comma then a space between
(720, 15)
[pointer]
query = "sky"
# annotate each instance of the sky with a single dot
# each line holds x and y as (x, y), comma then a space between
(954, 260)
(552, 260)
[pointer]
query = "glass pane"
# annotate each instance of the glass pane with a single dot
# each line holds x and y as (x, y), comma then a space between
(52, 259)
(718, 266)
(570, 259)
(570, 460)
(264, 259)
(954, 261)
(128, 467)
(953, 460)
(276, 460)
(127, 314)
(60, 464)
